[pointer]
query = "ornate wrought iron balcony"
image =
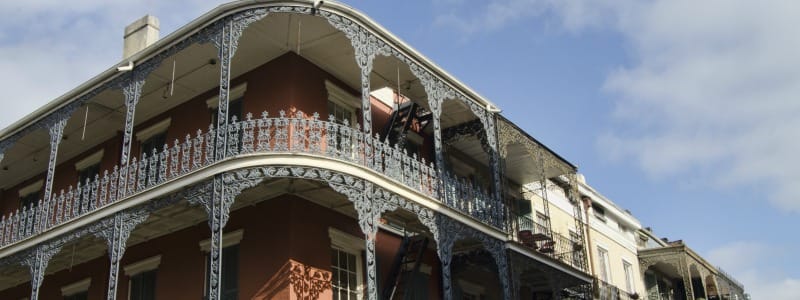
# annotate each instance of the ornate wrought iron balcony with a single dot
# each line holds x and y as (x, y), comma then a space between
(609, 291)
(540, 238)
(282, 134)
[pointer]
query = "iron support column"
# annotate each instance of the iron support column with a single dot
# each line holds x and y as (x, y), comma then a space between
(117, 230)
(56, 133)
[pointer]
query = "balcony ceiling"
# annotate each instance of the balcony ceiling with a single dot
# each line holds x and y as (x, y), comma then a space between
(195, 74)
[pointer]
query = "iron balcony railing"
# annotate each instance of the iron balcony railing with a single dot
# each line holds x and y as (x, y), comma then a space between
(540, 238)
(608, 291)
(283, 134)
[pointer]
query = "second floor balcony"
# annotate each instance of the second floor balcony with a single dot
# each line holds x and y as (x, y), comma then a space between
(540, 238)
(296, 133)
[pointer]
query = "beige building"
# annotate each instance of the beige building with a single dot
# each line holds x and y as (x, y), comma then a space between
(612, 240)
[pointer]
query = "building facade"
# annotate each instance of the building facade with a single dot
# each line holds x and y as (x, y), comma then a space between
(612, 239)
(282, 150)
(672, 270)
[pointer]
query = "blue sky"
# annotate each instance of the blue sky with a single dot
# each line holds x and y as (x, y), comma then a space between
(684, 112)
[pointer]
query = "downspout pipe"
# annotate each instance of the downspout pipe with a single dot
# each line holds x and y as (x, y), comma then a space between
(587, 204)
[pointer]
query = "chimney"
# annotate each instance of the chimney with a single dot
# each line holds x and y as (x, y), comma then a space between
(140, 34)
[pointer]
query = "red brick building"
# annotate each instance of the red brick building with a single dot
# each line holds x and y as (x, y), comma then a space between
(279, 150)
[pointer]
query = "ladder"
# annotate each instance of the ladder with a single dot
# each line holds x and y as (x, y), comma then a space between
(402, 119)
(405, 266)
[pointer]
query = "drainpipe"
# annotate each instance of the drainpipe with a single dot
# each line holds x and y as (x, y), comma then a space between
(587, 204)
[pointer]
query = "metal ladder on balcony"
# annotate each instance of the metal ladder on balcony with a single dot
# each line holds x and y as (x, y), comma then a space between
(405, 267)
(401, 120)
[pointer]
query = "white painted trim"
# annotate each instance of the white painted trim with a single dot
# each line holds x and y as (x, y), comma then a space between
(31, 188)
(342, 97)
(607, 260)
(90, 160)
(235, 93)
(344, 241)
(142, 266)
(76, 287)
(228, 239)
(144, 134)
(632, 280)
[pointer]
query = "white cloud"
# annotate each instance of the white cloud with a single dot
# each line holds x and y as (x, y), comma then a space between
(714, 92)
(488, 16)
(48, 48)
(745, 261)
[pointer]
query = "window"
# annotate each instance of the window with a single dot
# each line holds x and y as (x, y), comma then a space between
(340, 113)
(542, 223)
(577, 253)
(234, 110)
(599, 212)
(346, 265)
(230, 264)
(77, 290)
(345, 274)
(524, 206)
(341, 104)
(89, 166)
(156, 143)
(602, 261)
(235, 97)
(142, 274)
(230, 273)
(235, 107)
(29, 201)
(29, 195)
(89, 173)
(143, 286)
(628, 276)
(152, 138)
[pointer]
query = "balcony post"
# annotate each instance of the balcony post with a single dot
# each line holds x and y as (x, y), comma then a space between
(446, 234)
(366, 104)
(56, 134)
(132, 90)
(116, 231)
(218, 214)
(686, 277)
(217, 201)
(37, 260)
(369, 209)
(226, 39)
(368, 221)
(494, 165)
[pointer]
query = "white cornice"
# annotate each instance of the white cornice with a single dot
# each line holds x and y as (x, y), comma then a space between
(161, 126)
(76, 287)
(235, 93)
(31, 188)
(144, 265)
(228, 239)
(90, 160)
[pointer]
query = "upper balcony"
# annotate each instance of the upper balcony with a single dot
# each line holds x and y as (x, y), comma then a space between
(299, 134)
